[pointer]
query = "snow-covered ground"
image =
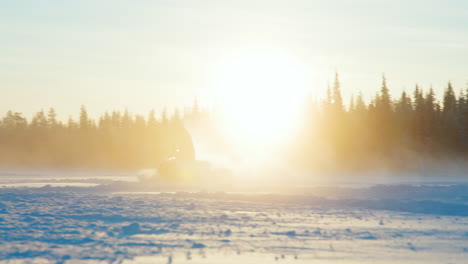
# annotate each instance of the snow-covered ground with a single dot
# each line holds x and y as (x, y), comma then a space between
(121, 220)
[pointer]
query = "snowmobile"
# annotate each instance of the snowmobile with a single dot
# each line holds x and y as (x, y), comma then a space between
(181, 165)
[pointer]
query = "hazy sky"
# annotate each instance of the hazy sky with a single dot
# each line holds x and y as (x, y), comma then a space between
(110, 54)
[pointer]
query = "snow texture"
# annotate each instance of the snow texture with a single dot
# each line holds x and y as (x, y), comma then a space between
(106, 224)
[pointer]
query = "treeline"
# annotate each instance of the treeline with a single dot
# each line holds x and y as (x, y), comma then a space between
(117, 140)
(412, 132)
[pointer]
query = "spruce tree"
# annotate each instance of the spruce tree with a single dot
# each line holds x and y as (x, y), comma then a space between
(429, 116)
(127, 119)
(164, 118)
(352, 106)
(84, 121)
(450, 100)
(384, 102)
(360, 105)
(337, 99)
(152, 122)
(449, 120)
(52, 118)
(39, 120)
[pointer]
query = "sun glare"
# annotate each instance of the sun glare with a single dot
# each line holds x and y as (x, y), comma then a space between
(261, 91)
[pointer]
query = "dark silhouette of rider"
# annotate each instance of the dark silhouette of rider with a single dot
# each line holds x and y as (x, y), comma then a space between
(182, 144)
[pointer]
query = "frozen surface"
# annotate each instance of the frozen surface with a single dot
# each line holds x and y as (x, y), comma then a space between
(143, 223)
(44, 177)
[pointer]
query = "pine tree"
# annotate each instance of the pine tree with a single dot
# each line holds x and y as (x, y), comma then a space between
(404, 106)
(418, 122)
(39, 120)
(429, 101)
(418, 100)
(14, 121)
(176, 118)
(352, 106)
(429, 116)
(384, 102)
(152, 122)
(164, 118)
(337, 99)
(404, 112)
(127, 119)
(71, 124)
(52, 118)
(360, 105)
(463, 119)
(116, 119)
(84, 121)
(8, 121)
(105, 122)
(139, 123)
(450, 100)
(450, 129)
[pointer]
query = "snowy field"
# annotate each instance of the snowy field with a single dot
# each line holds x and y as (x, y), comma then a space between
(82, 217)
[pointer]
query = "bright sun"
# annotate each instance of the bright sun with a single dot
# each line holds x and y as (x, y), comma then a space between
(261, 91)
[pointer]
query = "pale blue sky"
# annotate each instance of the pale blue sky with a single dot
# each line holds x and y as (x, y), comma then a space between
(110, 54)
